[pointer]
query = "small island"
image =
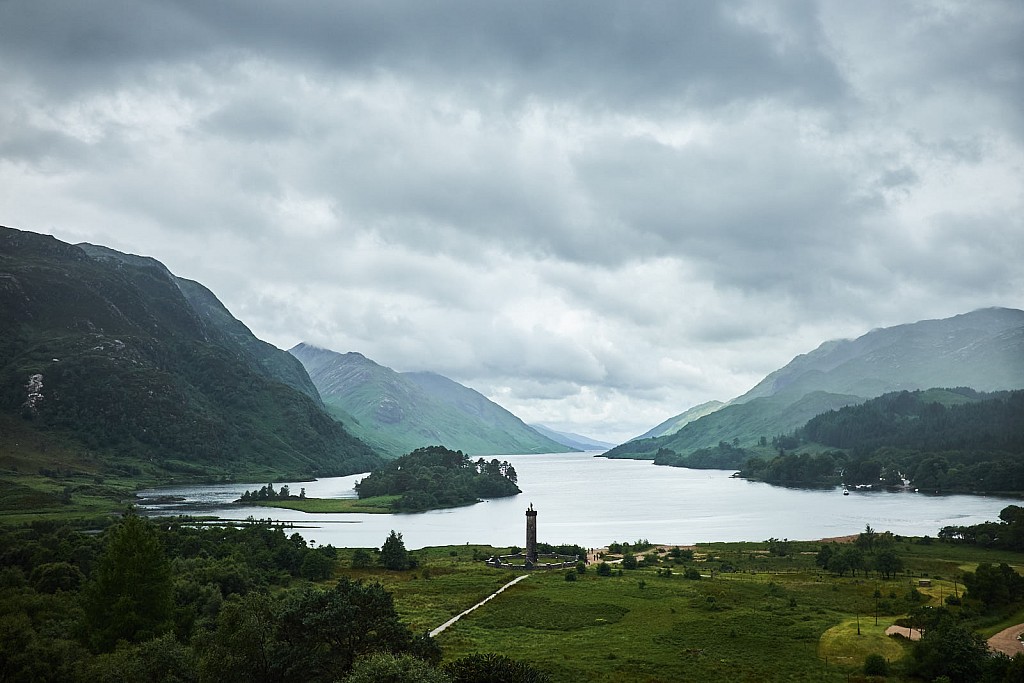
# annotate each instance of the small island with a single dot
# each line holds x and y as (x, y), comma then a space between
(428, 478)
(436, 477)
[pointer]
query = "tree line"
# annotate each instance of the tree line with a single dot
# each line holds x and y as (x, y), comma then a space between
(268, 493)
(901, 438)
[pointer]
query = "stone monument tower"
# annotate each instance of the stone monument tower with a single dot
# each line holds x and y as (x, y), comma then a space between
(531, 535)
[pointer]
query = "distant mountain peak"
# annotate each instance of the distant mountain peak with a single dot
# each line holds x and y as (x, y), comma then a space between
(400, 411)
(982, 350)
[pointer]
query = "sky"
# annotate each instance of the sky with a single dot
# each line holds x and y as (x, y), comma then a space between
(598, 214)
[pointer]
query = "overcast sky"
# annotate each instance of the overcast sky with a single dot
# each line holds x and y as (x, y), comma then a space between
(598, 214)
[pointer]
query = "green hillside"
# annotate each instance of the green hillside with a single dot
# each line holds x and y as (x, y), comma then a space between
(983, 350)
(938, 440)
(399, 412)
(674, 424)
(743, 422)
(110, 369)
(219, 326)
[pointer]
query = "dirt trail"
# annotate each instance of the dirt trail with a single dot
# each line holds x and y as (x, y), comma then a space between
(1006, 641)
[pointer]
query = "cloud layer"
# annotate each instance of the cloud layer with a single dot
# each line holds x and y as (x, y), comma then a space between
(597, 214)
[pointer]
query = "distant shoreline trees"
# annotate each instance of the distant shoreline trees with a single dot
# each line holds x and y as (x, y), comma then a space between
(268, 493)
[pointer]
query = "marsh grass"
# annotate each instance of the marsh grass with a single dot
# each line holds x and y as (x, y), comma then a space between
(374, 505)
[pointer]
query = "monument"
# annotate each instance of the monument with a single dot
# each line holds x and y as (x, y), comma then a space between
(531, 535)
(529, 560)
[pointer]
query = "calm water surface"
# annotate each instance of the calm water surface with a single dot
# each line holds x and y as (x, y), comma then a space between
(593, 501)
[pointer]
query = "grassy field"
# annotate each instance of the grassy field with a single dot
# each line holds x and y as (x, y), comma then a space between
(772, 619)
(375, 505)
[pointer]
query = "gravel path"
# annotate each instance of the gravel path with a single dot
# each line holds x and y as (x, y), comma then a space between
(451, 621)
(1006, 641)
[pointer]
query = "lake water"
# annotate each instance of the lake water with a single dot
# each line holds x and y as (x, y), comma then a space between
(593, 501)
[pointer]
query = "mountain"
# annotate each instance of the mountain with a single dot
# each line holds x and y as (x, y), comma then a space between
(674, 424)
(580, 443)
(111, 365)
(983, 350)
(400, 412)
(223, 328)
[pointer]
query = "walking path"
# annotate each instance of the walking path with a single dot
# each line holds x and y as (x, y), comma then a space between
(451, 621)
(1006, 641)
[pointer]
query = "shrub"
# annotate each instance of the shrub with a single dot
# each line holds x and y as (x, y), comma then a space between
(875, 665)
(604, 569)
(570, 575)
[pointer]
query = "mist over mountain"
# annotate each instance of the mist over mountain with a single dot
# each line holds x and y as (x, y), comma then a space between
(674, 424)
(983, 350)
(110, 363)
(399, 412)
(577, 441)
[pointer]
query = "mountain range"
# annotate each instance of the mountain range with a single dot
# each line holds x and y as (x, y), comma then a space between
(983, 350)
(111, 365)
(397, 412)
(572, 440)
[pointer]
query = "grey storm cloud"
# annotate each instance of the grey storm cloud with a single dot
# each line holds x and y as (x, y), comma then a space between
(596, 52)
(598, 214)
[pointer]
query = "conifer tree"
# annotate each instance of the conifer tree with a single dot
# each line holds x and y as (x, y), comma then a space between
(129, 595)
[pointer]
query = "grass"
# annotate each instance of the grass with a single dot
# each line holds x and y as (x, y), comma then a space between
(842, 645)
(374, 505)
(775, 618)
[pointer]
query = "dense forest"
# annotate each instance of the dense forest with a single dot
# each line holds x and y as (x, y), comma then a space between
(436, 477)
(990, 424)
(173, 602)
(973, 442)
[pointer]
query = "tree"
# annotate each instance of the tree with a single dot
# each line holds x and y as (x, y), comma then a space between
(325, 631)
(994, 586)
(159, 659)
(361, 559)
(483, 668)
(245, 646)
(952, 650)
(866, 539)
(888, 563)
(383, 667)
(130, 594)
(318, 564)
(393, 554)
(875, 665)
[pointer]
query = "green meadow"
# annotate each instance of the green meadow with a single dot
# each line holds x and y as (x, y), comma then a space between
(761, 617)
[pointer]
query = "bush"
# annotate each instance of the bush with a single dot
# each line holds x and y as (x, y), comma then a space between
(361, 559)
(490, 667)
(571, 575)
(875, 665)
(604, 569)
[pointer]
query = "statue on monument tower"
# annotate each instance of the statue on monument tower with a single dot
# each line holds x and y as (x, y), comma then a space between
(531, 535)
